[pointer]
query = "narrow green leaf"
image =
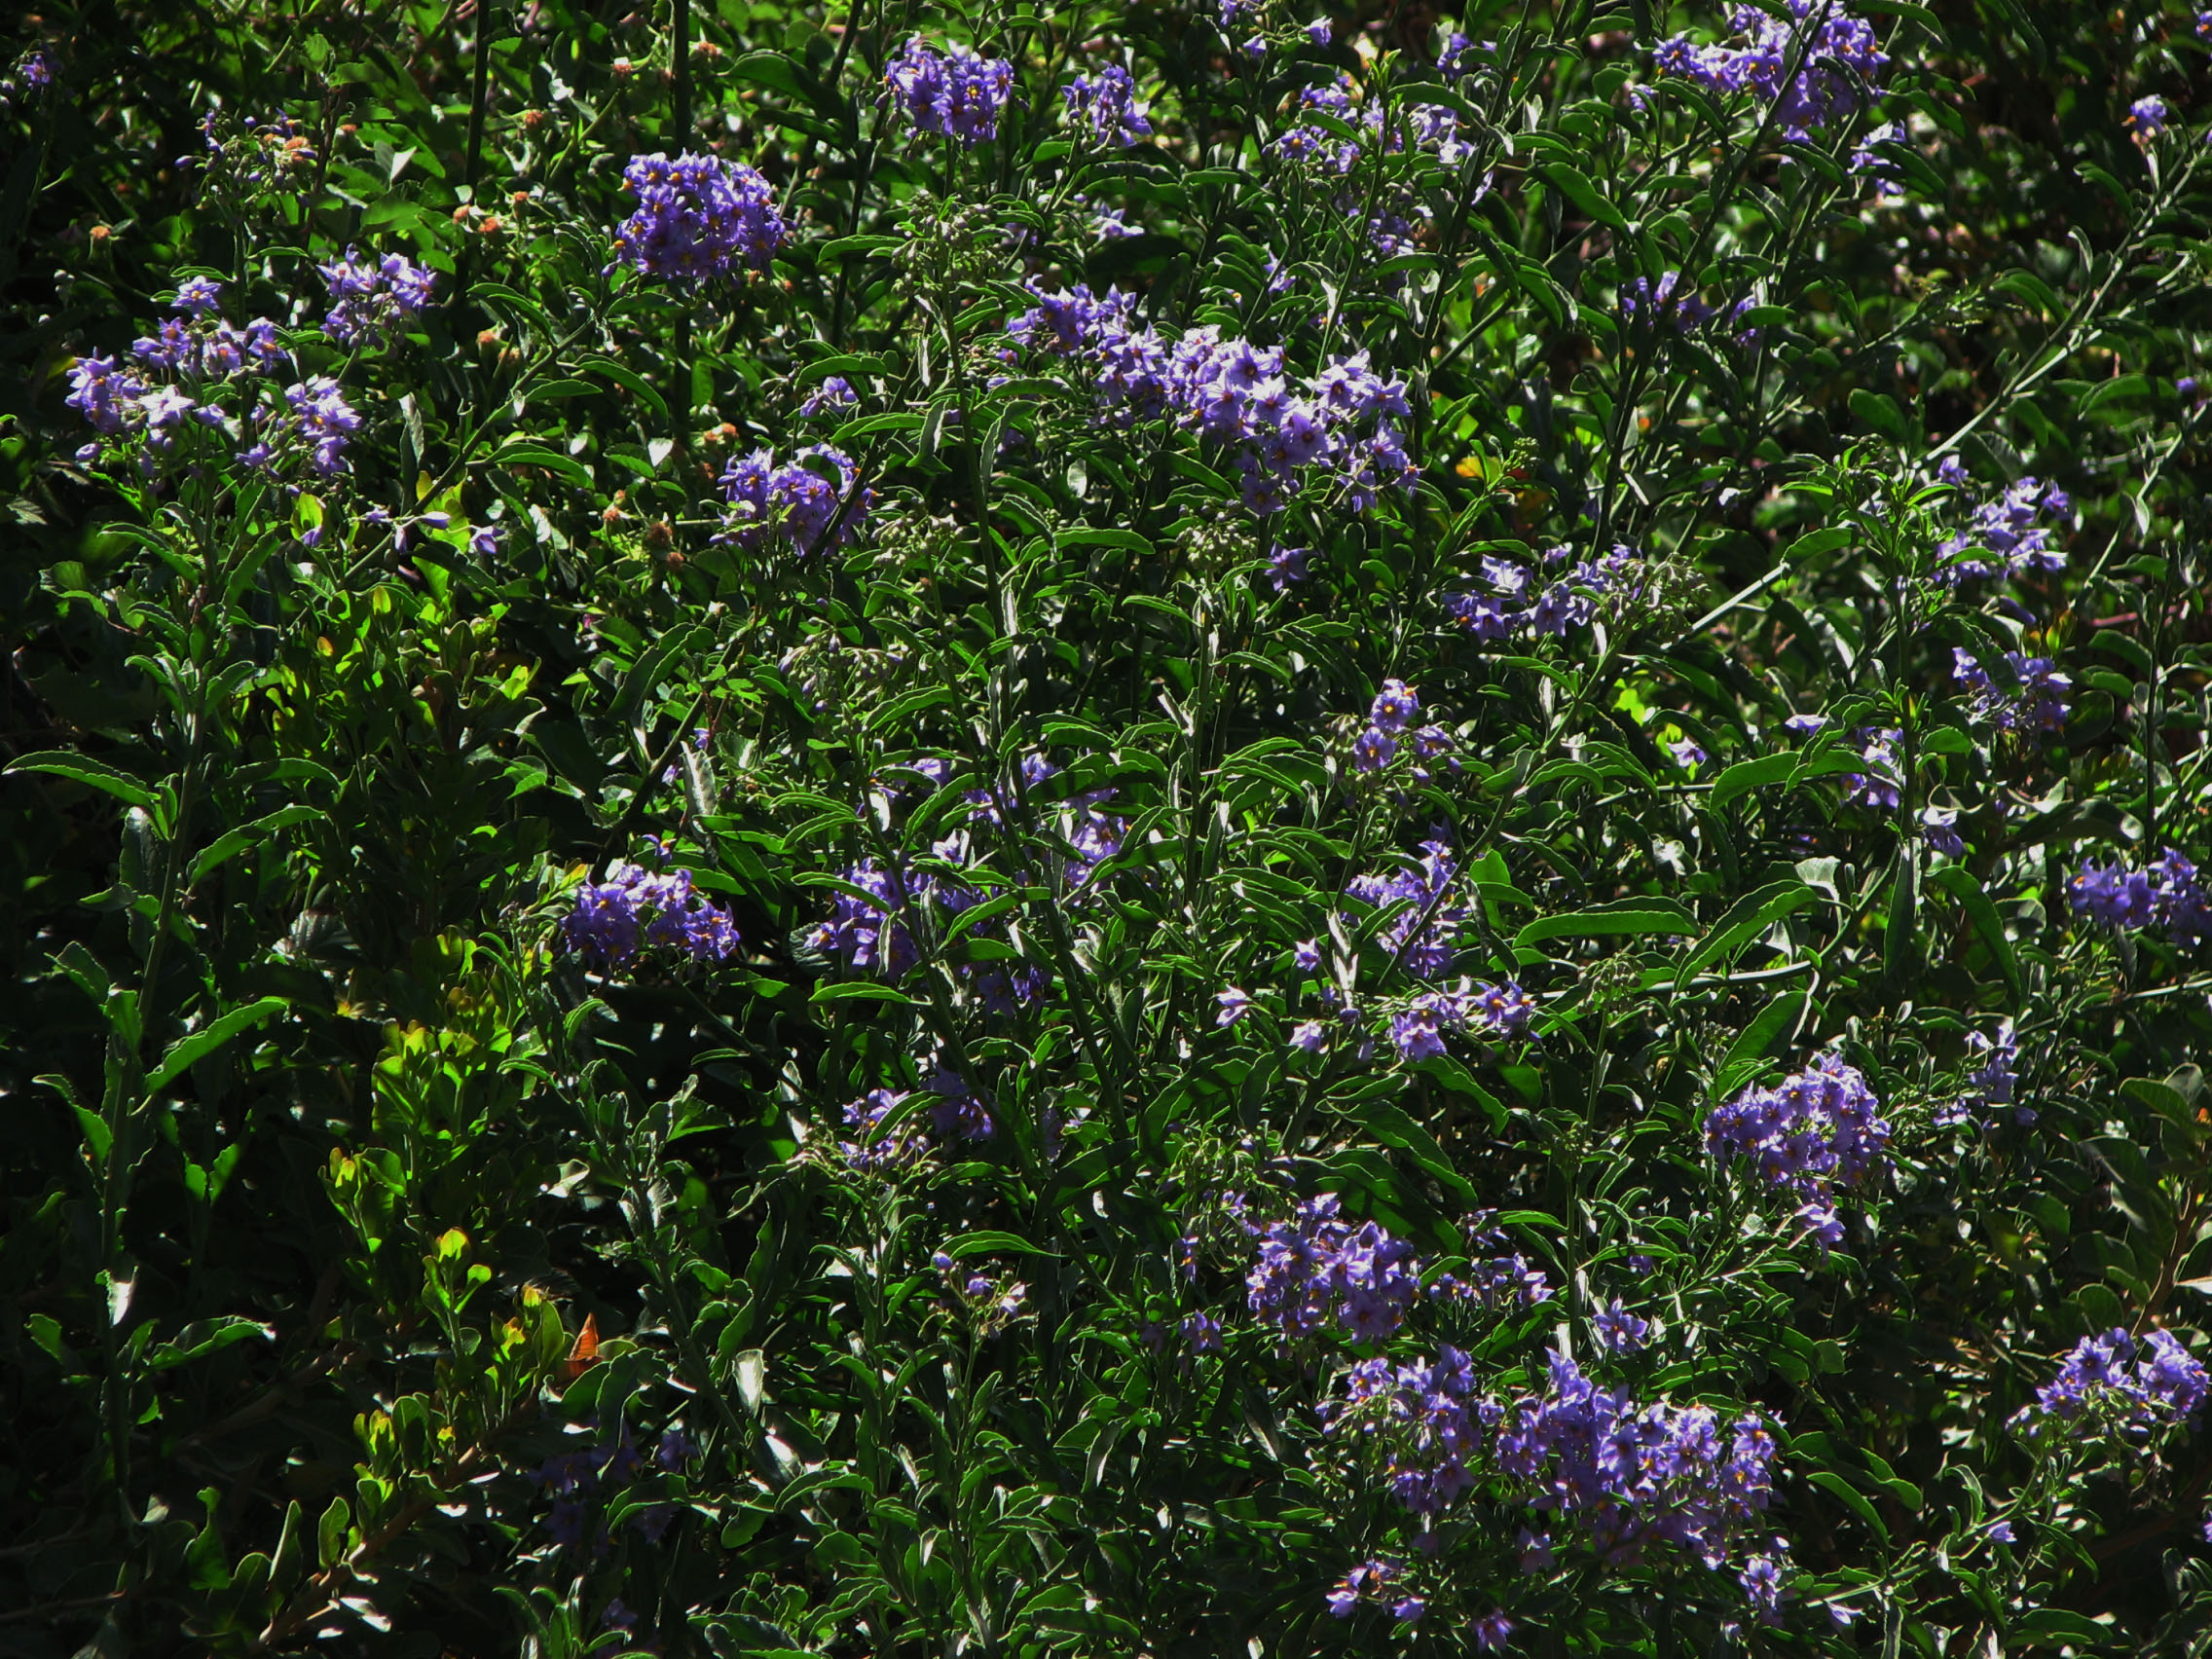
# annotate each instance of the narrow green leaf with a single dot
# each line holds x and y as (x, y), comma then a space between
(211, 1037)
(80, 769)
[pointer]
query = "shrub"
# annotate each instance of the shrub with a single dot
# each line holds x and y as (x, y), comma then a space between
(1160, 830)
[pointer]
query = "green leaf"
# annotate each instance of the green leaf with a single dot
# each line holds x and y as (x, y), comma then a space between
(77, 767)
(859, 991)
(1852, 1499)
(1744, 776)
(537, 454)
(232, 842)
(211, 1037)
(1880, 411)
(986, 1242)
(1755, 1042)
(203, 1337)
(2057, 1627)
(1746, 919)
(1621, 916)
(1575, 185)
(1959, 884)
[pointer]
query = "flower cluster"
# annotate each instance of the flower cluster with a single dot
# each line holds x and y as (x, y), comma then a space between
(1106, 103)
(2035, 701)
(817, 508)
(1390, 731)
(1547, 598)
(698, 217)
(1876, 787)
(319, 417)
(1497, 1010)
(1819, 1130)
(1433, 127)
(373, 300)
(1422, 946)
(1231, 391)
(1637, 1475)
(636, 911)
(2168, 892)
(958, 95)
(870, 1151)
(576, 1478)
(956, 1111)
(1990, 1084)
(214, 373)
(2006, 534)
(872, 929)
(1430, 1418)
(1494, 1282)
(2132, 1384)
(1669, 303)
(1380, 1581)
(1317, 1268)
(1836, 61)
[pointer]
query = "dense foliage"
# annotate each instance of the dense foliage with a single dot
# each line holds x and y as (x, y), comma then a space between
(1159, 830)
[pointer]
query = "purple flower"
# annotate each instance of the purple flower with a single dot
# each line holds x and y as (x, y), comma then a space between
(1107, 103)
(956, 96)
(871, 1152)
(1761, 1579)
(1620, 1331)
(817, 508)
(2000, 1531)
(2035, 702)
(1394, 705)
(1503, 1010)
(1878, 786)
(677, 1449)
(1286, 566)
(372, 299)
(834, 394)
(1871, 159)
(617, 921)
(1686, 752)
(1317, 1267)
(1991, 1083)
(2005, 534)
(1372, 750)
(1108, 226)
(1669, 303)
(1413, 889)
(2132, 1386)
(2111, 894)
(1419, 1031)
(1818, 1129)
(2148, 115)
(1821, 1222)
(199, 296)
(1234, 1005)
(102, 392)
(1937, 830)
(1492, 1632)
(1834, 61)
(1306, 955)
(956, 1111)
(698, 217)
(1804, 725)
(1202, 1331)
